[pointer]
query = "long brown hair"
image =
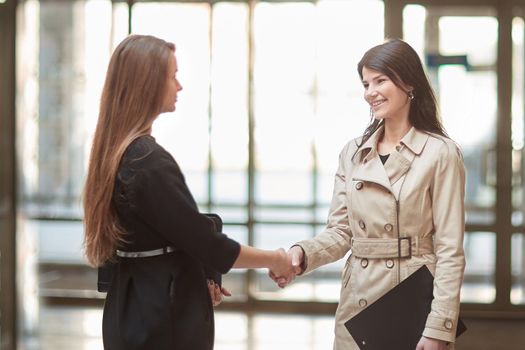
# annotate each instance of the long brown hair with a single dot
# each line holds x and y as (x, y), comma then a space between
(400, 62)
(131, 100)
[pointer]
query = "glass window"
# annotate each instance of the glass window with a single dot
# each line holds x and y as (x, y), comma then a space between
(518, 114)
(517, 295)
(62, 55)
(229, 103)
(340, 112)
(308, 105)
(479, 280)
(284, 80)
(518, 167)
(467, 97)
(184, 133)
(466, 94)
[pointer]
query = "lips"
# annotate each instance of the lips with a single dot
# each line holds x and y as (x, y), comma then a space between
(377, 103)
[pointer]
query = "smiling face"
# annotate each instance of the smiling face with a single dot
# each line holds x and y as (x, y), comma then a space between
(172, 86)
(386, 99)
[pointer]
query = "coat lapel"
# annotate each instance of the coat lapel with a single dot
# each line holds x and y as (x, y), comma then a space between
(373, 171)
(396, 166)
(400, 160)
(371, 168)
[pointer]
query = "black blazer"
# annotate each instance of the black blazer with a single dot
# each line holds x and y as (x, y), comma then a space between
(162, 302)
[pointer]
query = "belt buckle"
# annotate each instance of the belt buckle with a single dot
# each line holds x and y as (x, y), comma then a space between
(399, 239)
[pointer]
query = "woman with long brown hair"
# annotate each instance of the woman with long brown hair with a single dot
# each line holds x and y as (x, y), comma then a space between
(140, 215)
(398, 203)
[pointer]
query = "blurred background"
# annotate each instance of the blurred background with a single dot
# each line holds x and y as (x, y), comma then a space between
(271, 95)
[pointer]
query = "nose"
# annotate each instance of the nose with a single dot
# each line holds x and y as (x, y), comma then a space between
(370, 93)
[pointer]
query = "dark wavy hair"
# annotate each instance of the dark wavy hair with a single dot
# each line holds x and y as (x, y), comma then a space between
(400, 63)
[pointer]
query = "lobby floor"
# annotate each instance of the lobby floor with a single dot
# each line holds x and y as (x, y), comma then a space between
(79, 328)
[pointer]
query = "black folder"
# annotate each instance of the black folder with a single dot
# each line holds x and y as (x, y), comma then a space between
(396, 320)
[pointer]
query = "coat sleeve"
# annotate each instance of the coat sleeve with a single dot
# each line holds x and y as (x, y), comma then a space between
(160, 198)
(334, 241)
(448, 212)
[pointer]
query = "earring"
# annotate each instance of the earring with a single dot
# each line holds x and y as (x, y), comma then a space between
(411, 95)
(371, 113)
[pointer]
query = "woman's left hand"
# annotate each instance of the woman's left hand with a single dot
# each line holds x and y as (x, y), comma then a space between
(216, 292)
(431, 344)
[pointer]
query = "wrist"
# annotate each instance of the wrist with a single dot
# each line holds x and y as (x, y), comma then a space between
(299, 252)
(274, 259)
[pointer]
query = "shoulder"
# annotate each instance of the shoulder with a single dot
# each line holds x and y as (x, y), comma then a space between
(444, 147)
(139, 148)
(144, 151)
(144, 159)
(146, 162)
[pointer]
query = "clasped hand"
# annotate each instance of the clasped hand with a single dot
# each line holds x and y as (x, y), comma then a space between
(287, 266)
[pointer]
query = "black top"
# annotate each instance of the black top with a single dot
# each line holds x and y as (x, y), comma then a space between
(162, 302)
(384, 158)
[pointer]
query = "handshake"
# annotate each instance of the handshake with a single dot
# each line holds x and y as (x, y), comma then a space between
(282, 266)
(286, 266)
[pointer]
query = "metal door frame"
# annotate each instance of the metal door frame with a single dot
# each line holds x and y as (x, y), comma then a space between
(8, 329)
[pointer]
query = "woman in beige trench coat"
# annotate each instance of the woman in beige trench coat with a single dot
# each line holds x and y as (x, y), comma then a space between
(403, 178)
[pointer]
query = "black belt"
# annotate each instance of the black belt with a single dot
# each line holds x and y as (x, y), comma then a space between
(146, 253)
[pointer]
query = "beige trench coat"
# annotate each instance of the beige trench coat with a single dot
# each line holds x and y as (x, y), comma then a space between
(419, 189)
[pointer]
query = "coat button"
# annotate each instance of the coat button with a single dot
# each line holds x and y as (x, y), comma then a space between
(362, 302)
(364, 263)
(359, 185)
(390, 263)
(448, 324)
(362, 224)
(389, 227)
(398, 148)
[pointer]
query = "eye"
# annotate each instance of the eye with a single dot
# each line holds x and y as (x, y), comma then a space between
(365, 85)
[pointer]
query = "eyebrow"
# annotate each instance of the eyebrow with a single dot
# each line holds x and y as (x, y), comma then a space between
(375, 78)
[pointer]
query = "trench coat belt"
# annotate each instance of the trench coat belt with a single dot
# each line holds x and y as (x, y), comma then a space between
(388, 248)
(146, 253)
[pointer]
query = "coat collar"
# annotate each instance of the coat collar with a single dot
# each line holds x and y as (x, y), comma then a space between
(414, 140)
(398, 163)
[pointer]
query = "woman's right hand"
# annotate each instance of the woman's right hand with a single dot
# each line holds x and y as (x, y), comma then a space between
(289, 268)
(280, 265)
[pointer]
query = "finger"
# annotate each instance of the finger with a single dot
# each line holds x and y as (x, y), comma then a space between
(281, 280)
(211, 289)
(273, 275)
(218, 295)
(226, 292)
